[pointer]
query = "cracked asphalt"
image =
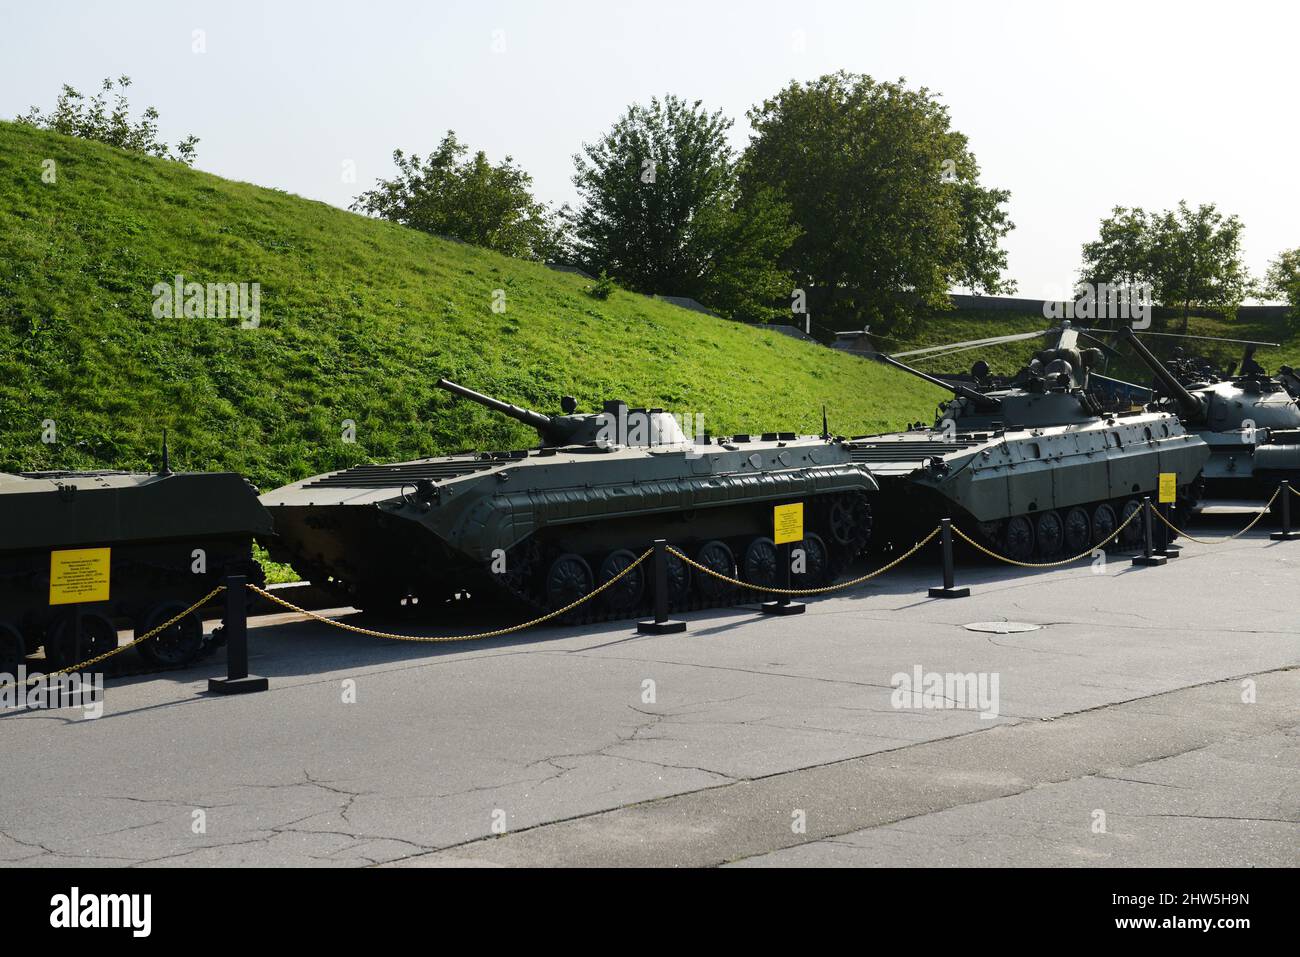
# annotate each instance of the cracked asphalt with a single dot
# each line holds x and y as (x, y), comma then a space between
(1151, 720)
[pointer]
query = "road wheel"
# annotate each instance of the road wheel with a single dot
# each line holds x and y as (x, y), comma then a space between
(1049, 533)
(1077, 530)
(817, 563)
(179, 644)
(98, 635)
(679, 581)
(1132, 535)
(627, 592)
(717, 556)
(567, 580)
(1018, 539)
(1104, 524)
(760, 562)
(849, 521)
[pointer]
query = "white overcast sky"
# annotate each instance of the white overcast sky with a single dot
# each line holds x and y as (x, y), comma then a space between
(1074, 107)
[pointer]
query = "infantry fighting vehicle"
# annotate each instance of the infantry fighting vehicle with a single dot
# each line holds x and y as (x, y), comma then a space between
(1036, 469)
(550, 524)
(1250, 421)
(170, 538)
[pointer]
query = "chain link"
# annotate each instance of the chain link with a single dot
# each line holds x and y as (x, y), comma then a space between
(1064, 561)
(808, 591)
(826, 589)
(81, 666)
(1219, 541)
(432, 639)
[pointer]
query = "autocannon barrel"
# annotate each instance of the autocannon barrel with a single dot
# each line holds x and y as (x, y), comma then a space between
(1191, 406)
(980, 400)
(542, 423)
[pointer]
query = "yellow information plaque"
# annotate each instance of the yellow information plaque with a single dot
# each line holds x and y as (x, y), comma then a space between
(79, 574)
(787, 523)
(1168, 487)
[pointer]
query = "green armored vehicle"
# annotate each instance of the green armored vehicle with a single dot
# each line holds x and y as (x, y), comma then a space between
(1251, 421)
(123, 549)
(548, 525)
(1036, 470)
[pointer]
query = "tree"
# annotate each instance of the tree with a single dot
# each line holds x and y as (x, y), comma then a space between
(74, 116)
(466, 199)
(661, 212)
(1121, 254)
(1188, 257)
(1282, 280)
(1196, 259)
(886, 195)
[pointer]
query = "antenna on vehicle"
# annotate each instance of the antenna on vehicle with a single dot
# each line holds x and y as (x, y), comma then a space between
(166, 457)
(826, 431)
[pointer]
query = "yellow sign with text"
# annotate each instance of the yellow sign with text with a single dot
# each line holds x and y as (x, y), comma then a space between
(79, 575)
(1168, 487)
(787, 523)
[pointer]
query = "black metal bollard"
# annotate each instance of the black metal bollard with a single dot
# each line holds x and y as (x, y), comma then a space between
(1286, 534)
(661, 624)
(948, 591)
(783, 605)
(235, 623)
(1148, 558)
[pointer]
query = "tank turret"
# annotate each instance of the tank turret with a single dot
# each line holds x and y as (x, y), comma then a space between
(1193, 408)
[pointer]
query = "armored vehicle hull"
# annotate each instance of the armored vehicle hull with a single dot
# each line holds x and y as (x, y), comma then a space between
(549, 525)
(170, 540)
(1250, 421)
(1031, 494)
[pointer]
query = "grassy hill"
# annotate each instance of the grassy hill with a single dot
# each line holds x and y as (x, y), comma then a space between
(358, 319)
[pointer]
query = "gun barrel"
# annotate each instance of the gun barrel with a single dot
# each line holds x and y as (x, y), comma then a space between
(980, 400)
(542, 423)
(1193, 407)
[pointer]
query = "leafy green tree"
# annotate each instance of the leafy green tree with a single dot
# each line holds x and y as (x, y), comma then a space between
(1196, 259)
(1121, 253)
(466, 199)
(74, 115)
(662, 212)
(1282, 281)
(1190, 258)
(885, 193)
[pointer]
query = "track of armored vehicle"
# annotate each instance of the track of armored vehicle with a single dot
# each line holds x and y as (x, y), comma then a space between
(1035, 471)
(548, 525)
(170, 539)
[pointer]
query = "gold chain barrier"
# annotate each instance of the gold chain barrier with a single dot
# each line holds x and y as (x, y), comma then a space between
(1219, 541)
(1064, 561)
(90, 662)
(371, 633)
(809, 591)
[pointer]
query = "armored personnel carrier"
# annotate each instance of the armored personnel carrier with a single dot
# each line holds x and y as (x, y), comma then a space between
(1250, 420)
(1035, 470)
(162, 541)
(550, 524)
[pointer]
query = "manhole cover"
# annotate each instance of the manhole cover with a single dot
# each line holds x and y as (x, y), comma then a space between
(1001, 627)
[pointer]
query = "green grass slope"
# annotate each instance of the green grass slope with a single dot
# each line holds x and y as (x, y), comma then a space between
(358, 320)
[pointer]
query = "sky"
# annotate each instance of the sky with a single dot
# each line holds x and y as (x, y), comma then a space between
(1073, 107)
